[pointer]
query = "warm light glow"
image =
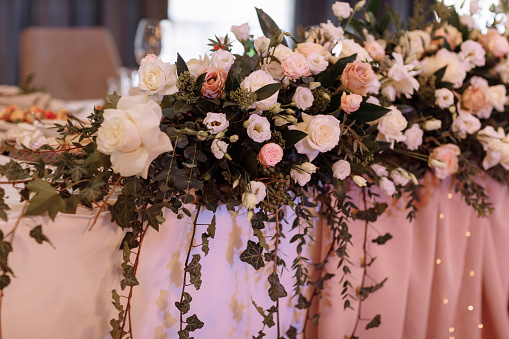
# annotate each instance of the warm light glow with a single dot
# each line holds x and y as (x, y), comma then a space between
(449, 196)
(441, 215)
(471, 273)
(480, 326)
(451, 329)
(470, 308)
(467, 234)
(446, 301)
(438, 261)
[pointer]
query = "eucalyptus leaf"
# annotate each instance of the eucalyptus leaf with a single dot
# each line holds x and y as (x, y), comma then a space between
(181, 65)
(292, 137)
(368, 112)
(269, 27)
(267, 91)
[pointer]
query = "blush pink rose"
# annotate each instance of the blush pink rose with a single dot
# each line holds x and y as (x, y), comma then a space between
(308, 48)
(357, 77)
(148, 58)
(375, 50)
(476, 97)
(295, 66)
(350, 102)
(496, 43)
(445, 160)
(270, 154)
(214, 82)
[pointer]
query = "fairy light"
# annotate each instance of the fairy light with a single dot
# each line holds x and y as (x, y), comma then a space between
(441, 215)
(471, 273)
(451, 329)
(480, 326)
(438, 261)
(470, 308)
(449, 195)
(467, 234)
(445, 301)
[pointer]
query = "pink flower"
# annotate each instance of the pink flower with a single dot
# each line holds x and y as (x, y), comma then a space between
(476, 97)
(445, 160)
(308, 48)
(375, 50)
(270, 154)
(214, 82)
(357, 77)
(496, 43)
(295, 66)
(148, 58)
(350, 102)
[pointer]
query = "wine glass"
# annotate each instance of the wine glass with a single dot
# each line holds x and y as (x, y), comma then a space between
(149, 38)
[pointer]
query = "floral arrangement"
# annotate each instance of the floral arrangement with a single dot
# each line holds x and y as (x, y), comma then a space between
(282, 129)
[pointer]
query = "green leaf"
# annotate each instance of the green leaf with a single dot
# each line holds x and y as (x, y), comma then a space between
(205, 243)
(365, 291)
(292, 333)
(193, 323)
(124, 212)
(374, 6)
(211, 230)
(292, 137)
(368, 112)
(382, 239)
(116, 300)
(253, 255)
(375, 322)
(46, 199)
(302, 303)
(263, 243)
(199, 82)
(267, 91)
(194, 269)
(340, 65)
(13, 171)
(37, 234)
(381, 27)
(440, 74)
(113, 99)
(181, 65)
(183, 334)
(4, 281)
(129, 278)
(269, 27)
(3, 207)
(276, 289)
(257, 221)
(185, 305)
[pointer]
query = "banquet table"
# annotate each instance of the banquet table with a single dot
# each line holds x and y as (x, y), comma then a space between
(446, 271)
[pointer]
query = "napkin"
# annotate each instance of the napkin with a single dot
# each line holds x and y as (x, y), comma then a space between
(40, 99)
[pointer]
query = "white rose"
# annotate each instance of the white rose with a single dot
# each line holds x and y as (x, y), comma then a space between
(465, 124)
(498, 97)
(350, 47)
(332, 32)
(359, 181)
(473, 53)
(391, 126)
(219, 148)
(316, 63)
(281, 52)
(216, 122)
(387, 186)
(341, 9)
(257, 80)
(497, 151)
(157, 78)
(341, 169)
(222, 59)
(444, 98)
(241, 32)
(432, 125)
(300, 176)
(261, 45)
(130, 134)
(303, 97)
(249, 200)
(259, 190)
(400, 176)
(274, 69)
(27, 135)
(455, 72)
(380, 170)
(413, 137)
(196, 66)
(323, 134)
(258, 128)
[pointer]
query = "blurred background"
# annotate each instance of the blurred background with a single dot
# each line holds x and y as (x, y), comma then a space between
(190, 22)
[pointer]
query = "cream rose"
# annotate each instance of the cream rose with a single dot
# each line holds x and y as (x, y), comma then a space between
(213, 85)
(323, 134)
(308, 48)
(415, 42)
(270, 154)
(25, 134)
(130, 134)
(274, 69)
(447, 156)
(341, 9)
(455, 72)
(444, 98)
(303, 97)
(387, 186)
(281, 52)
(216, 122)
(350, 47)
(196, 66)
(157, 78)
(391, 125)
(219, 148)
(222, 59)
(295, 66)
(241, 32)
(316, 63)
(432, 125)
(413, 137)
(358, 77)
(257, 80)
(341, 169)
(258, 128)
(350, 102)
(498, 97)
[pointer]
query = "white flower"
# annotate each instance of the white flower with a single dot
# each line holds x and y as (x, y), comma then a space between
(387, 186)
(281, 52)
(415, 42)
(303, 97)
(130, 134)
(373, 100)
(249, 200)
(196, 66)
(498, 97)
(323, 134)
(401, 79)
(316, 63)
(341, 9)
(455, 72)
(473, 53)
(444, 98)
(496, 146)
(380, 170)
(261, 45)
(359, 181)
(274, 69)
(332, 32)
(27, 135)
(255, 193)
(350, 47)
(257, 80)
(465, 124)
(308, 167)
(391, 126)
(341, 169)
(219, 148)
(157, 78)
(241, 32)
(413, 137)
(400, 176)
(216, 122)
(302, 173)
(433, 124)
(258, 128)
(222, 59)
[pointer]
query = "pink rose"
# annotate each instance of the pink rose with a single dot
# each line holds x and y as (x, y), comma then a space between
(445, 160)
(270, 154)
(476, 97)
(375, 50)
(357, 77)
(350, 102)
(308, 48)
(496, 43)
(148, 58)
(214, 82)
(295, 66)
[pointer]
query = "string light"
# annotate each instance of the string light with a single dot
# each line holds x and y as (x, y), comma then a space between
(438, 261)
(467, 234)
(445, 301)
(451, 329)
(470, 308)
(449, 195)
(441, 215)
(480, 326)
(471, 273)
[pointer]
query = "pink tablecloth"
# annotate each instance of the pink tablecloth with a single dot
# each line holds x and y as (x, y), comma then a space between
(436, 272)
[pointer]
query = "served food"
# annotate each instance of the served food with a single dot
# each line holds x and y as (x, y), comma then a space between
(16, 115)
